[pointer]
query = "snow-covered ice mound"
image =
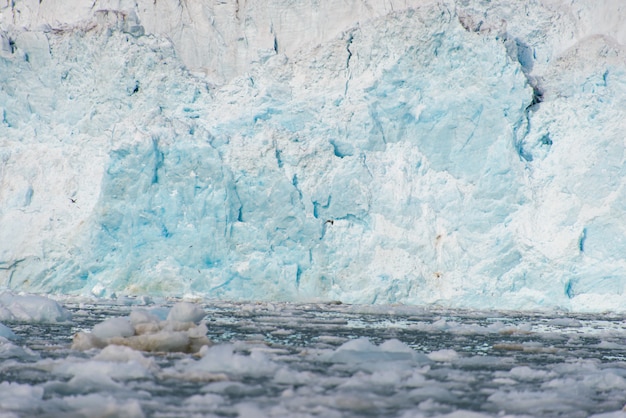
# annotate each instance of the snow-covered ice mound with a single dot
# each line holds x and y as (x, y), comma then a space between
(5, 332)
(31, 308)
(182, 331)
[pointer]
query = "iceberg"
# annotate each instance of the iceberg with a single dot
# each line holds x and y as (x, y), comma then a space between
(142, 330)
(458, 153)
(31, 309)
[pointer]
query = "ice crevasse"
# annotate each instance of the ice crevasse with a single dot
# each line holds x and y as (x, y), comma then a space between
(466, 154)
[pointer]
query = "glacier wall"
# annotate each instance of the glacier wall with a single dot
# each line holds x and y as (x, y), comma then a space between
(466, 154)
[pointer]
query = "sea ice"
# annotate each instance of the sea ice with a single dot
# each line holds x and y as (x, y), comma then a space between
(186, 312)
(23, 397)
(5, 332)
(113, 327)
(9, 350)
(144, 331)
(361, 350)
(96, 405)
(223, 359)
(31, 308)
(443, 355)
(377, 364)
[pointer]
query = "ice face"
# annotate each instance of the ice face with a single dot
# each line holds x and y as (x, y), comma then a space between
(460, 154)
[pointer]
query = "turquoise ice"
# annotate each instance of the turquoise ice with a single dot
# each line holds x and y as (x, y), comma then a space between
(465, 155)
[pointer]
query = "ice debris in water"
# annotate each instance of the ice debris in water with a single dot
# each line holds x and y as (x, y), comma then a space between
(182, 331)
(15, 396)
(327, 361)
(186, 312)
(104, 406)
(5, 332)
(32, 309)
(222, 358)
(361, 350)
(8, 350)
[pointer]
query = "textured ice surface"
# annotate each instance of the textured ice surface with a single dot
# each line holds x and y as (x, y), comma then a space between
(31, 308)
(186, 312)
(5, 332)
(143, 331)
(279, 360)
(466, 153)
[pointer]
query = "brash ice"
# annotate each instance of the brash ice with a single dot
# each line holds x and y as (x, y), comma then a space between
(465, 154)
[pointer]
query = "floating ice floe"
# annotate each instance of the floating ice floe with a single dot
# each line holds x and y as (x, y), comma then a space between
(8, 350)
(142, 330)
(32, 309)
(15, 396)
(223, 359)
(5, 332)
(361, 350)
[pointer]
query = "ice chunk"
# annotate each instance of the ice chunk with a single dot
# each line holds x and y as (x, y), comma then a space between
(20, 397)
(101, 372)
(9, 350)
(534, 402)
(206, 402)
(525, 373)
(113, 327)
(445, 355)
(361, 344)
(121, 354)
(97, 405)
(615, 414)
(88, 380)
(5, 332)
(565, 322)
(31, 308)
(162, 341)
(145, 332)
(465, 414)
(143, 316)
(361, 350)
(223, 359)
(186, 312)
(292, 377)
(86, 341)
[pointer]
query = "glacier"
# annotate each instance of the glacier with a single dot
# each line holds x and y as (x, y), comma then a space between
(465, 154)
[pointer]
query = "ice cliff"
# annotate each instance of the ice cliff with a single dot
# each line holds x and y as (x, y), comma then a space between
(466, 154)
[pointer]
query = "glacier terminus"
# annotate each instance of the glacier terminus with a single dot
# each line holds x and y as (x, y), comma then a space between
(466, 154)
